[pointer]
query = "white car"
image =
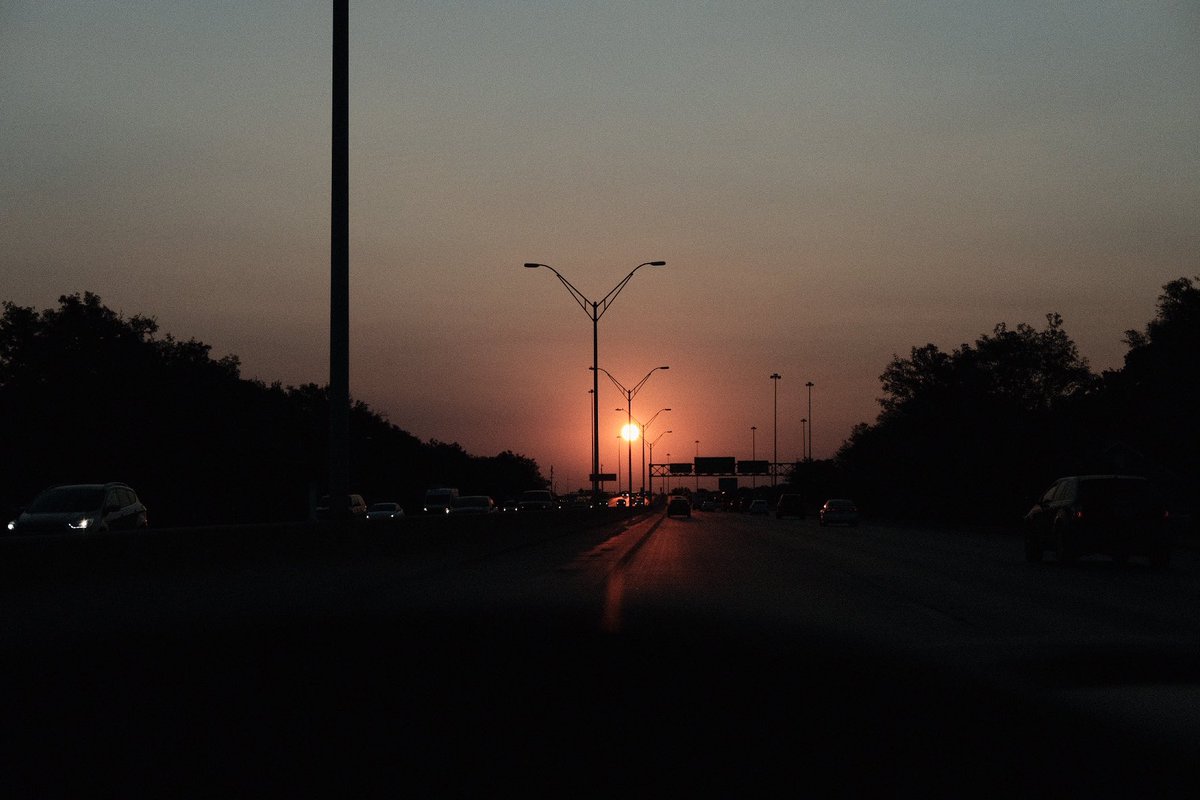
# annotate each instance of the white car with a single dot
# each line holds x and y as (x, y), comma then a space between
(384, 511)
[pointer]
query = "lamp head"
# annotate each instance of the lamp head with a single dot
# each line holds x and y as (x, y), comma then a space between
(657, 263)
(533, 266)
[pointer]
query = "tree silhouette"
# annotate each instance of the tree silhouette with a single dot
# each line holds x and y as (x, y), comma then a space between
(87, 395)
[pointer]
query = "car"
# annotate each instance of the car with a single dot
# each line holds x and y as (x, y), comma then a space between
(343, 507)
(440, 500)
(384, 511)
(82, 508)
(789, 505)
(537, 500)
(708, 504)
(679, 506)
(473, 504)
(758, 506)
(838, 511)
(1115, 515)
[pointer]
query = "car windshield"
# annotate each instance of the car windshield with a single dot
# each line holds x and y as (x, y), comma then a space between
(67, 499)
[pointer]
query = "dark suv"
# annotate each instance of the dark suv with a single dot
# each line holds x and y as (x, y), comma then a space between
(82, 508)
(1117, 515)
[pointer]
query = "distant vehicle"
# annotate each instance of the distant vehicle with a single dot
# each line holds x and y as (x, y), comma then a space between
(439, 501)
(537, 500)
(342, 507)
(1116, 515)
(575, 502)
(708, 504)
(385, 511)
(789, 505)
(759, 506)
(508, 504)
(838, 512)
(679, 506)
(82, 508)
(473, 504)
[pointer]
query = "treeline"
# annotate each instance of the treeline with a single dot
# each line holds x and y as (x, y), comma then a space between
(977, 433)
(87, 395)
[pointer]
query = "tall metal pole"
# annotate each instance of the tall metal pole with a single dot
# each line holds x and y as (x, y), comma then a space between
(775, 376)
(810, 388)
(339, 259)
(596, 409)
(696, 466)
(753, 478)
(597, 309)
(628, 426)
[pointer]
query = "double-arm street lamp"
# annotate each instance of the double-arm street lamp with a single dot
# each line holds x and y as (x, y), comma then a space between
(595, 309)
(656, 438)
(631, 431)
(643, 427)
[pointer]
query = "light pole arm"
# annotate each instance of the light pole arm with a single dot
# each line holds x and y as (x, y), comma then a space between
(584, 303)
(607, 300)
(617, 383)
(633, 392)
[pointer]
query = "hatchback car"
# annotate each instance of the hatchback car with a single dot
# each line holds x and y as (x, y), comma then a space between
(384, 511)
(1115, 515)
(82, 508)
(838, 512)
(679, 506)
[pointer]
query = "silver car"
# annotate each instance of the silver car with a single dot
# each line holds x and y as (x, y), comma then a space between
(82, 508)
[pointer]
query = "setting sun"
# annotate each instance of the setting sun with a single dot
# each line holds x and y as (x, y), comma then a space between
(629, 432)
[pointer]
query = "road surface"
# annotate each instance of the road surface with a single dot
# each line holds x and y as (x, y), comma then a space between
(719, 653)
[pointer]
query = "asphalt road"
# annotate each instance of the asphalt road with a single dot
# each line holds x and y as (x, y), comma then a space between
(720, 653)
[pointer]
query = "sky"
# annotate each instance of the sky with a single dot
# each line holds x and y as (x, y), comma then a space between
(830, 184)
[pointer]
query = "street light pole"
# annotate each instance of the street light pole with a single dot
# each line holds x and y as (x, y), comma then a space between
(775, 376)
(810, 419)
(629, 395)
(664, 433)
(696, 466)
(753, 479)
(804, 435)
(595, 309)
(339, 259)
(647, 425)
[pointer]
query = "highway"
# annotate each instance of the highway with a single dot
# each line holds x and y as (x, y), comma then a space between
(720, 652)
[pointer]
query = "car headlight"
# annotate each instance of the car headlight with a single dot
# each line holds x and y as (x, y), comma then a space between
(12, 525)
(80, 524)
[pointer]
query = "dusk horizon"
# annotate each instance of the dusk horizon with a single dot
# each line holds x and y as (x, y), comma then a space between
(829, 187)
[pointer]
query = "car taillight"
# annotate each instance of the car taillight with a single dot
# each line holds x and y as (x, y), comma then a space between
(1079, 514)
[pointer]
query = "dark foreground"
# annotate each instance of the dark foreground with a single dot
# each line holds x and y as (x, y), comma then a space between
(474, 692)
